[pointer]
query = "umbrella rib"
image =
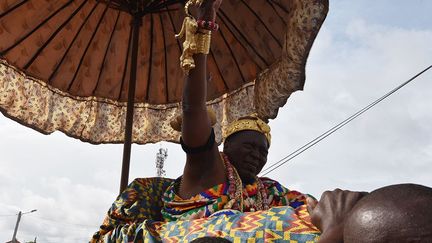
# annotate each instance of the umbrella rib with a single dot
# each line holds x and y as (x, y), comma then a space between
(277, 13)
(232, 54)
(174, 28)
(151, 6)
(106, 53)
(263, 23)
(13, 8)
(218, 68)
(166, 3)
(280, 6)
(166, 62)
(70, 45)
(35, 29)
(241, 35)
(118, 6)
(150, 57)
(126, 63)
(155, 6)
(53, 35)
(87, 47)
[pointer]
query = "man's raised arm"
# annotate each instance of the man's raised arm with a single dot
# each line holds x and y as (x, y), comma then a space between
(204, 167)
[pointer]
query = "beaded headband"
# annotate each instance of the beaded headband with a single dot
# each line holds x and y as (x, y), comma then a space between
(250, 122)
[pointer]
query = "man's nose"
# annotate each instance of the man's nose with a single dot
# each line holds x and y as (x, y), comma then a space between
(255, 154)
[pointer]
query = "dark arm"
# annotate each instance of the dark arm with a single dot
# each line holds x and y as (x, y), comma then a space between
(205, 169)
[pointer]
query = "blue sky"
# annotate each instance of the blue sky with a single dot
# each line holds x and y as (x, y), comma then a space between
(392, 13)
(365, 49)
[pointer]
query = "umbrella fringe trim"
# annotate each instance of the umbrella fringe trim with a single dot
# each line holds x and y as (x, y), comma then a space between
(46, 109)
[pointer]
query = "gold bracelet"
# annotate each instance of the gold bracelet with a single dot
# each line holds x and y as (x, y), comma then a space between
(203, 41)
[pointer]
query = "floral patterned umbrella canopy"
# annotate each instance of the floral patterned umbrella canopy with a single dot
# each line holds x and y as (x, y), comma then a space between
(73, 65)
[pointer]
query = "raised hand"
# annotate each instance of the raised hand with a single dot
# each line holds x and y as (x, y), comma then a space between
(203, 169)
(208, 9)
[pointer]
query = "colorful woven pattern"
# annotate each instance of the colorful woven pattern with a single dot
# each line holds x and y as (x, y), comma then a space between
(141, 200)
(149, 209)
(216, 198)
(135, 217)
(278, 224)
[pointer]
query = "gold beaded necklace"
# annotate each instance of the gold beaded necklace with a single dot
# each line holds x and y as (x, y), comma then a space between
(235, 190)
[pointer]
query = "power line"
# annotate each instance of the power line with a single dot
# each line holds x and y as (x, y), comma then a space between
(336, 127)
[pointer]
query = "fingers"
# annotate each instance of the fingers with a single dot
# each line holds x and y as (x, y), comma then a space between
(315, 211)
(339, 191)
(330, 193)
(311, 204)
(332, 208)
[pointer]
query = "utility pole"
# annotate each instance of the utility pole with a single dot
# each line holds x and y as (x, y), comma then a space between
(17, 223)
(16, 227)
(160, 161)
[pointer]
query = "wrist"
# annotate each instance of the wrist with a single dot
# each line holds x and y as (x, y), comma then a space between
(207, 25)
(203, 41)
(207, 11)
(210, 17)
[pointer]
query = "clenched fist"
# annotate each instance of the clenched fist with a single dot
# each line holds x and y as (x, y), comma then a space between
(330, 212)
(208, 9)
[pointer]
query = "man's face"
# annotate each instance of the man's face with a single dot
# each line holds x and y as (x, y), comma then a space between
(247, 151)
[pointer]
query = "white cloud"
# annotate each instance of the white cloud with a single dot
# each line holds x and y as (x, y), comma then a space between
(388, 143)
(65, 208)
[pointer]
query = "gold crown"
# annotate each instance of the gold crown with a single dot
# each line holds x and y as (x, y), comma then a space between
(251, 122)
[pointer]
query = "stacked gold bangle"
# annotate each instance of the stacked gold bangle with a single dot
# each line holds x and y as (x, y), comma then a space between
(203, 41)
(197, 41)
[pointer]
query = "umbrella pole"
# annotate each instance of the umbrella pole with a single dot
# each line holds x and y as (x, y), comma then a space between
(136, 23)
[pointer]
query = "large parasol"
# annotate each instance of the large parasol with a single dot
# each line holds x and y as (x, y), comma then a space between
(108, 71)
